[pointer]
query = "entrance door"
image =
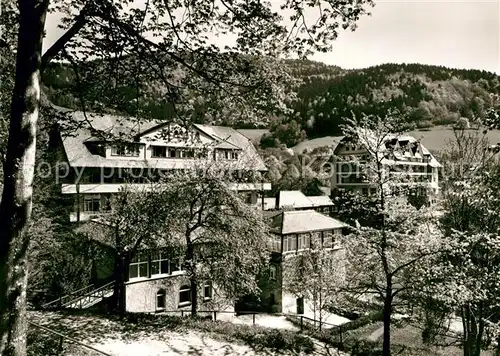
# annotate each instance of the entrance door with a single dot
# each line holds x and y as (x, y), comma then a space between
(300, 305)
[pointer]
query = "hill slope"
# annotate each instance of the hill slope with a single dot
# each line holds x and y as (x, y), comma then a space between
(425, 95)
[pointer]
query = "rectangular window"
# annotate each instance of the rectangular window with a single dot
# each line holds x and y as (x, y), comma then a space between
(160, 300)
(159, 152)
(364, 192)
(159, 264)
(92, 203)
(185, 295)
(234, 155)
(207, 290)
(328, 239)
(171, 152)
(373, 191)
(139, 265)
(175, 265)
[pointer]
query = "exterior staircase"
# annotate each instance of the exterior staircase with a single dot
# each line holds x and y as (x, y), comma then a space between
(83, 298)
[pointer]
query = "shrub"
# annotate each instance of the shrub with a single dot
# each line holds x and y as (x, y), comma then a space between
(259, 337)
(365, 348)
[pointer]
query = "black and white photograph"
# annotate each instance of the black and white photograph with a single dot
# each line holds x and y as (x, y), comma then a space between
(250, 177)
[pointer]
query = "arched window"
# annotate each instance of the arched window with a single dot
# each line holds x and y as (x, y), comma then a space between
(185, 295)
(160, 300)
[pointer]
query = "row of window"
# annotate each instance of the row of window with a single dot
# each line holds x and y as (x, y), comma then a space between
(184, 296)
(146, 265)
(95, 203)
(323, 239)
(228, 154)
(170, 152)
(129, 150)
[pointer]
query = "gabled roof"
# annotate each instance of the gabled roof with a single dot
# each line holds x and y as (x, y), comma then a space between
(395, 147)
(300, 221)
(297, 199)
(89, 127)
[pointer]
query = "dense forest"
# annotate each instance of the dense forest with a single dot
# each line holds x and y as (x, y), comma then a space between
(425, 95)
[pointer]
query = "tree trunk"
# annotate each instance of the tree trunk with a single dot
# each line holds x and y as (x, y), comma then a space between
(194, 297)
(19, 168)
(386, 347)
(120, 273)
(192, 273)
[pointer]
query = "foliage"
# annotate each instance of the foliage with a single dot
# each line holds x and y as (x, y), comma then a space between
(206, 221)
(314, 275)
(281, 132)
(306, 172)
(135, 221)
(425, 95)
(386, 262)
(466, 281)
(260, 337)
(257, 336)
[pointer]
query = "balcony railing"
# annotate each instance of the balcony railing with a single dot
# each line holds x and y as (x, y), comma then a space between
(116, 187)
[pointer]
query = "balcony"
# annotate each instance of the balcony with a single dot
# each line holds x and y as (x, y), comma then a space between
(116, 187)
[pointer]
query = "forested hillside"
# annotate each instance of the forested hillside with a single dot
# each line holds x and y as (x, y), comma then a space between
(425, 95)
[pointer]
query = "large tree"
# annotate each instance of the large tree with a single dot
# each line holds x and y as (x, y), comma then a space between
(386, 258)
(221, 238)
(135, 221)
(465, 282)
(314, 275)
(168, 34)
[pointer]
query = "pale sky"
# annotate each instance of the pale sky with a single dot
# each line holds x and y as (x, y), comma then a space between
(456, 33)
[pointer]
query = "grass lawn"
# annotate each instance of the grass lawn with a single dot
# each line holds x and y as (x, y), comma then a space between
(407, 336)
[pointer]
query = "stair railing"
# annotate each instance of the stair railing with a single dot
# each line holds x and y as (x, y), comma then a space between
(96, 293)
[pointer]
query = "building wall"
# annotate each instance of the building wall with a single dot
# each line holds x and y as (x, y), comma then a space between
(140, 296)
(289, 300)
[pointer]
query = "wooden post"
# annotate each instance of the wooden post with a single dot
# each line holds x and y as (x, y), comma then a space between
(61, 342)
(182, 313)
(301, 322)
(253, 317)
(262, 195)
(215, 315)
(78, 201)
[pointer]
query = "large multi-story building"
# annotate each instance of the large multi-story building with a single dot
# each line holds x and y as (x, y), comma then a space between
(405, 163)
(294, 232)
(99, 154)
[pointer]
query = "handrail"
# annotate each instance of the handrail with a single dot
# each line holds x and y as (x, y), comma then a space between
(62, 336)
(67, 295)
(89, 294)
(296, 316)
